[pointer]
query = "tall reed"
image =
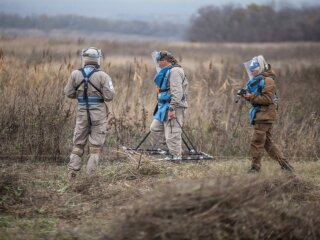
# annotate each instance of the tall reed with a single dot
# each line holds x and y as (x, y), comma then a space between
(37, 120)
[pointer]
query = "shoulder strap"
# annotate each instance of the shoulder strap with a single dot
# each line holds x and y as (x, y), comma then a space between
(164, 76)
(85, 77)
(258, 80)
(85, 81)
(261, 85)
(95, 87)
(80, 84)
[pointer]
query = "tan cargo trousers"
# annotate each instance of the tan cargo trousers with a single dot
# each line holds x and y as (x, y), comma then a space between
(96, 141)
(262, 139)
(169, 132)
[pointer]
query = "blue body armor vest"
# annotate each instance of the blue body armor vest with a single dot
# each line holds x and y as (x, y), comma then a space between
(164, 96)
(255, 85)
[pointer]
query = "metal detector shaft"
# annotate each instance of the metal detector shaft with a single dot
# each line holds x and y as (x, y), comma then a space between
(186, 136)
(145, 137)
(185, 143)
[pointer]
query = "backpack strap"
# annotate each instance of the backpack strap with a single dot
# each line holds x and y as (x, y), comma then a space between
(85, 81)
(95, 87)
(261, 85)
(80, 84)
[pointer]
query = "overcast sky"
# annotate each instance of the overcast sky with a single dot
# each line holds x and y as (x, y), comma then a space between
(180, 10)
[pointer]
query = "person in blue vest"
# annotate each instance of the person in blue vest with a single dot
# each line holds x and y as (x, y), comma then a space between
(261, 93)
(92, 88)
(172, 90)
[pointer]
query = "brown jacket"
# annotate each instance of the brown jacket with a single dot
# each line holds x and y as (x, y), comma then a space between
(268, 108)
(102, 81)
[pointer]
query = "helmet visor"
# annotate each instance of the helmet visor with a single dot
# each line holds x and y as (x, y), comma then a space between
(156, 58)
(247, 67)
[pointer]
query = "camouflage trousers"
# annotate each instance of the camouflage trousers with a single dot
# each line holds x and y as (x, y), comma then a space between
(169, 132)
(96, 136)
(262, 139)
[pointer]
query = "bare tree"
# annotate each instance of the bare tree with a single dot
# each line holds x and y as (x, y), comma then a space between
(255, 23)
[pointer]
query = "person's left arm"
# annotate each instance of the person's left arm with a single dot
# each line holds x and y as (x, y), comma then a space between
(176, 90)
(266, 98)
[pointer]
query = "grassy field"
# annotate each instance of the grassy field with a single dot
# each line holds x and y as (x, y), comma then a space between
(37, 120)
(37, 202)
(155, 199)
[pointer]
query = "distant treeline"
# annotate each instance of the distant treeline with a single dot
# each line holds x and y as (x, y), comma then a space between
(254, 23)
(88, 24)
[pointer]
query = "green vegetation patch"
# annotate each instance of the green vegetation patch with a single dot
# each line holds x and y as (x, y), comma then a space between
(12, 227)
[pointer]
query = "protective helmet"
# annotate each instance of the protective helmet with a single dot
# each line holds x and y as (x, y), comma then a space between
(256, 63)
(160, 55)
(91, 55)
(163, 55)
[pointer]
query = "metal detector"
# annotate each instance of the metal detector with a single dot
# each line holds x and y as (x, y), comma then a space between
(191, 154)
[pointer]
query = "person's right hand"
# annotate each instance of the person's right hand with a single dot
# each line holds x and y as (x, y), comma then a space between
(247, 96)
(172, 114)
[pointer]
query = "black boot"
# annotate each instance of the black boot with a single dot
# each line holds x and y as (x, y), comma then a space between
(254, 169)
(72, 175)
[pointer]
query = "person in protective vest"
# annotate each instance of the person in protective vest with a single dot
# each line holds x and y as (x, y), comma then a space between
(172, 88)
(92, 88)
(261, 93)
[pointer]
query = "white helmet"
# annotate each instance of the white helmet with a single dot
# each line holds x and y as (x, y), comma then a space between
(91, 55)
(256, 63)
(159, 55)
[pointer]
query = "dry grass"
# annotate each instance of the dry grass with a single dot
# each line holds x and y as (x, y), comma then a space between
(36, 120)
(225, 208)
(37, 202)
